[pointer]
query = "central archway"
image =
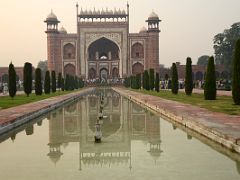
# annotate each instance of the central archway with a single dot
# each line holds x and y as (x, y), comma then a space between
(104, 74)
(103, 54)
(103, 49)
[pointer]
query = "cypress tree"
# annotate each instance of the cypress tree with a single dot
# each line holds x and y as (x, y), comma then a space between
(188, 77)
(59, 81)
(76, 82)
(47, 86)
(151, 79)
(38, 81)
(125, 82)
(67, 83)
(12, 88)
(146, 80)
(236, 74)
(62, 84)
(174, 79)
(132, 82)
(72, 87)
(210, 91)
(27, 78)
(81, 83)
(53, 78)
(138, 80)
(157, 82)
(143, 81)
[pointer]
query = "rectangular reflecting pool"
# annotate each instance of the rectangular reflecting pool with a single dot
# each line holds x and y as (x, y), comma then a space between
(136, 145)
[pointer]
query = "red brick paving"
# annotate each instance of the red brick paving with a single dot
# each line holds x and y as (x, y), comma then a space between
(12, 114)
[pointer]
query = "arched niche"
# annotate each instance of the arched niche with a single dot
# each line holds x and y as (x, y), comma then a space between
(137, 51)
(69, 51)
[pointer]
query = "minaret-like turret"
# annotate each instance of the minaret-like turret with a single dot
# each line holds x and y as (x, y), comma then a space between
(53, 43)
(52, 23)
(153, 41)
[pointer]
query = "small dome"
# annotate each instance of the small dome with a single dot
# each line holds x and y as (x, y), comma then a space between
(123, 12)
(94, 11)
(115, 11)
(51, 16)
(63, 30)
(90, 12)
(143, 30)
(119, 11)
(153, 16)
(103, 12)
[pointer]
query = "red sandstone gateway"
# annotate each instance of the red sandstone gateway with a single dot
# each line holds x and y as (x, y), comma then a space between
(102, 47)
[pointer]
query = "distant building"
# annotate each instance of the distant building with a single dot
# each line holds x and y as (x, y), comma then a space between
(198, 72)
(102, 46)
(19, 72)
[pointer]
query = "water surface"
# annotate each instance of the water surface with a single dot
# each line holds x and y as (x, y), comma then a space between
(136, 144)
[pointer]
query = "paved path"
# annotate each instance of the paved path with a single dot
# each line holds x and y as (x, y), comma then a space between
(219, 92)
(18, 93)
(222, 128)
(31, 110)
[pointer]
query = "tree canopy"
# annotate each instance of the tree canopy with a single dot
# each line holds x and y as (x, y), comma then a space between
(43, 65)
(203, 60)
(236, 74)
(224, 44)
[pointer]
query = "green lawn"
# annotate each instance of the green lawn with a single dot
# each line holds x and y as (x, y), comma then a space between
(7, 102)
(222, 104)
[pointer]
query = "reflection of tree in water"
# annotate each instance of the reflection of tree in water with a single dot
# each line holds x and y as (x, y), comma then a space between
(29, 130)
(39, 123)
(70, 124)
(13, 136)
(110, 125)
(238, 166)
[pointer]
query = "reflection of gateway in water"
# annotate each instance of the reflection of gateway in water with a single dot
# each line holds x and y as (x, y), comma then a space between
(125, 121)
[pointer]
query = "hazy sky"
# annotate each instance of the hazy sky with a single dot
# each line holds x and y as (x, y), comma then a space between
(187, 27)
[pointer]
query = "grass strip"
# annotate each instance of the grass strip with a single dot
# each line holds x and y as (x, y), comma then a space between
(8, 102)
(223, 104)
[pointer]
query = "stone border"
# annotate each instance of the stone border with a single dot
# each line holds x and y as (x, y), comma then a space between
(51, 105)
(188, 122)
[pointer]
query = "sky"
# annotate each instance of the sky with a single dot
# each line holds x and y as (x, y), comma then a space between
(187, 27)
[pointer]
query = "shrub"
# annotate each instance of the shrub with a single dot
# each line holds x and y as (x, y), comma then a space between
(151, 79)
(12, 88)
(53, 77)
(27, 78)
(59, 81)
(210, 81)
(174, 82)
(157, 82)
(188, 77)
(38, 81)
(47, 86)
(138, 80)
(146, 80)
(236, 74)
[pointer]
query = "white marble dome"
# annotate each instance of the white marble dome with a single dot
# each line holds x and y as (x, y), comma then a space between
(52, 16)
(153, 16)
(143, 30)
(63, 30)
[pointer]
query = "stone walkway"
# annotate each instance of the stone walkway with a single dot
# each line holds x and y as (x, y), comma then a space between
(15, 116)
(221, 128)
(219, 92)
